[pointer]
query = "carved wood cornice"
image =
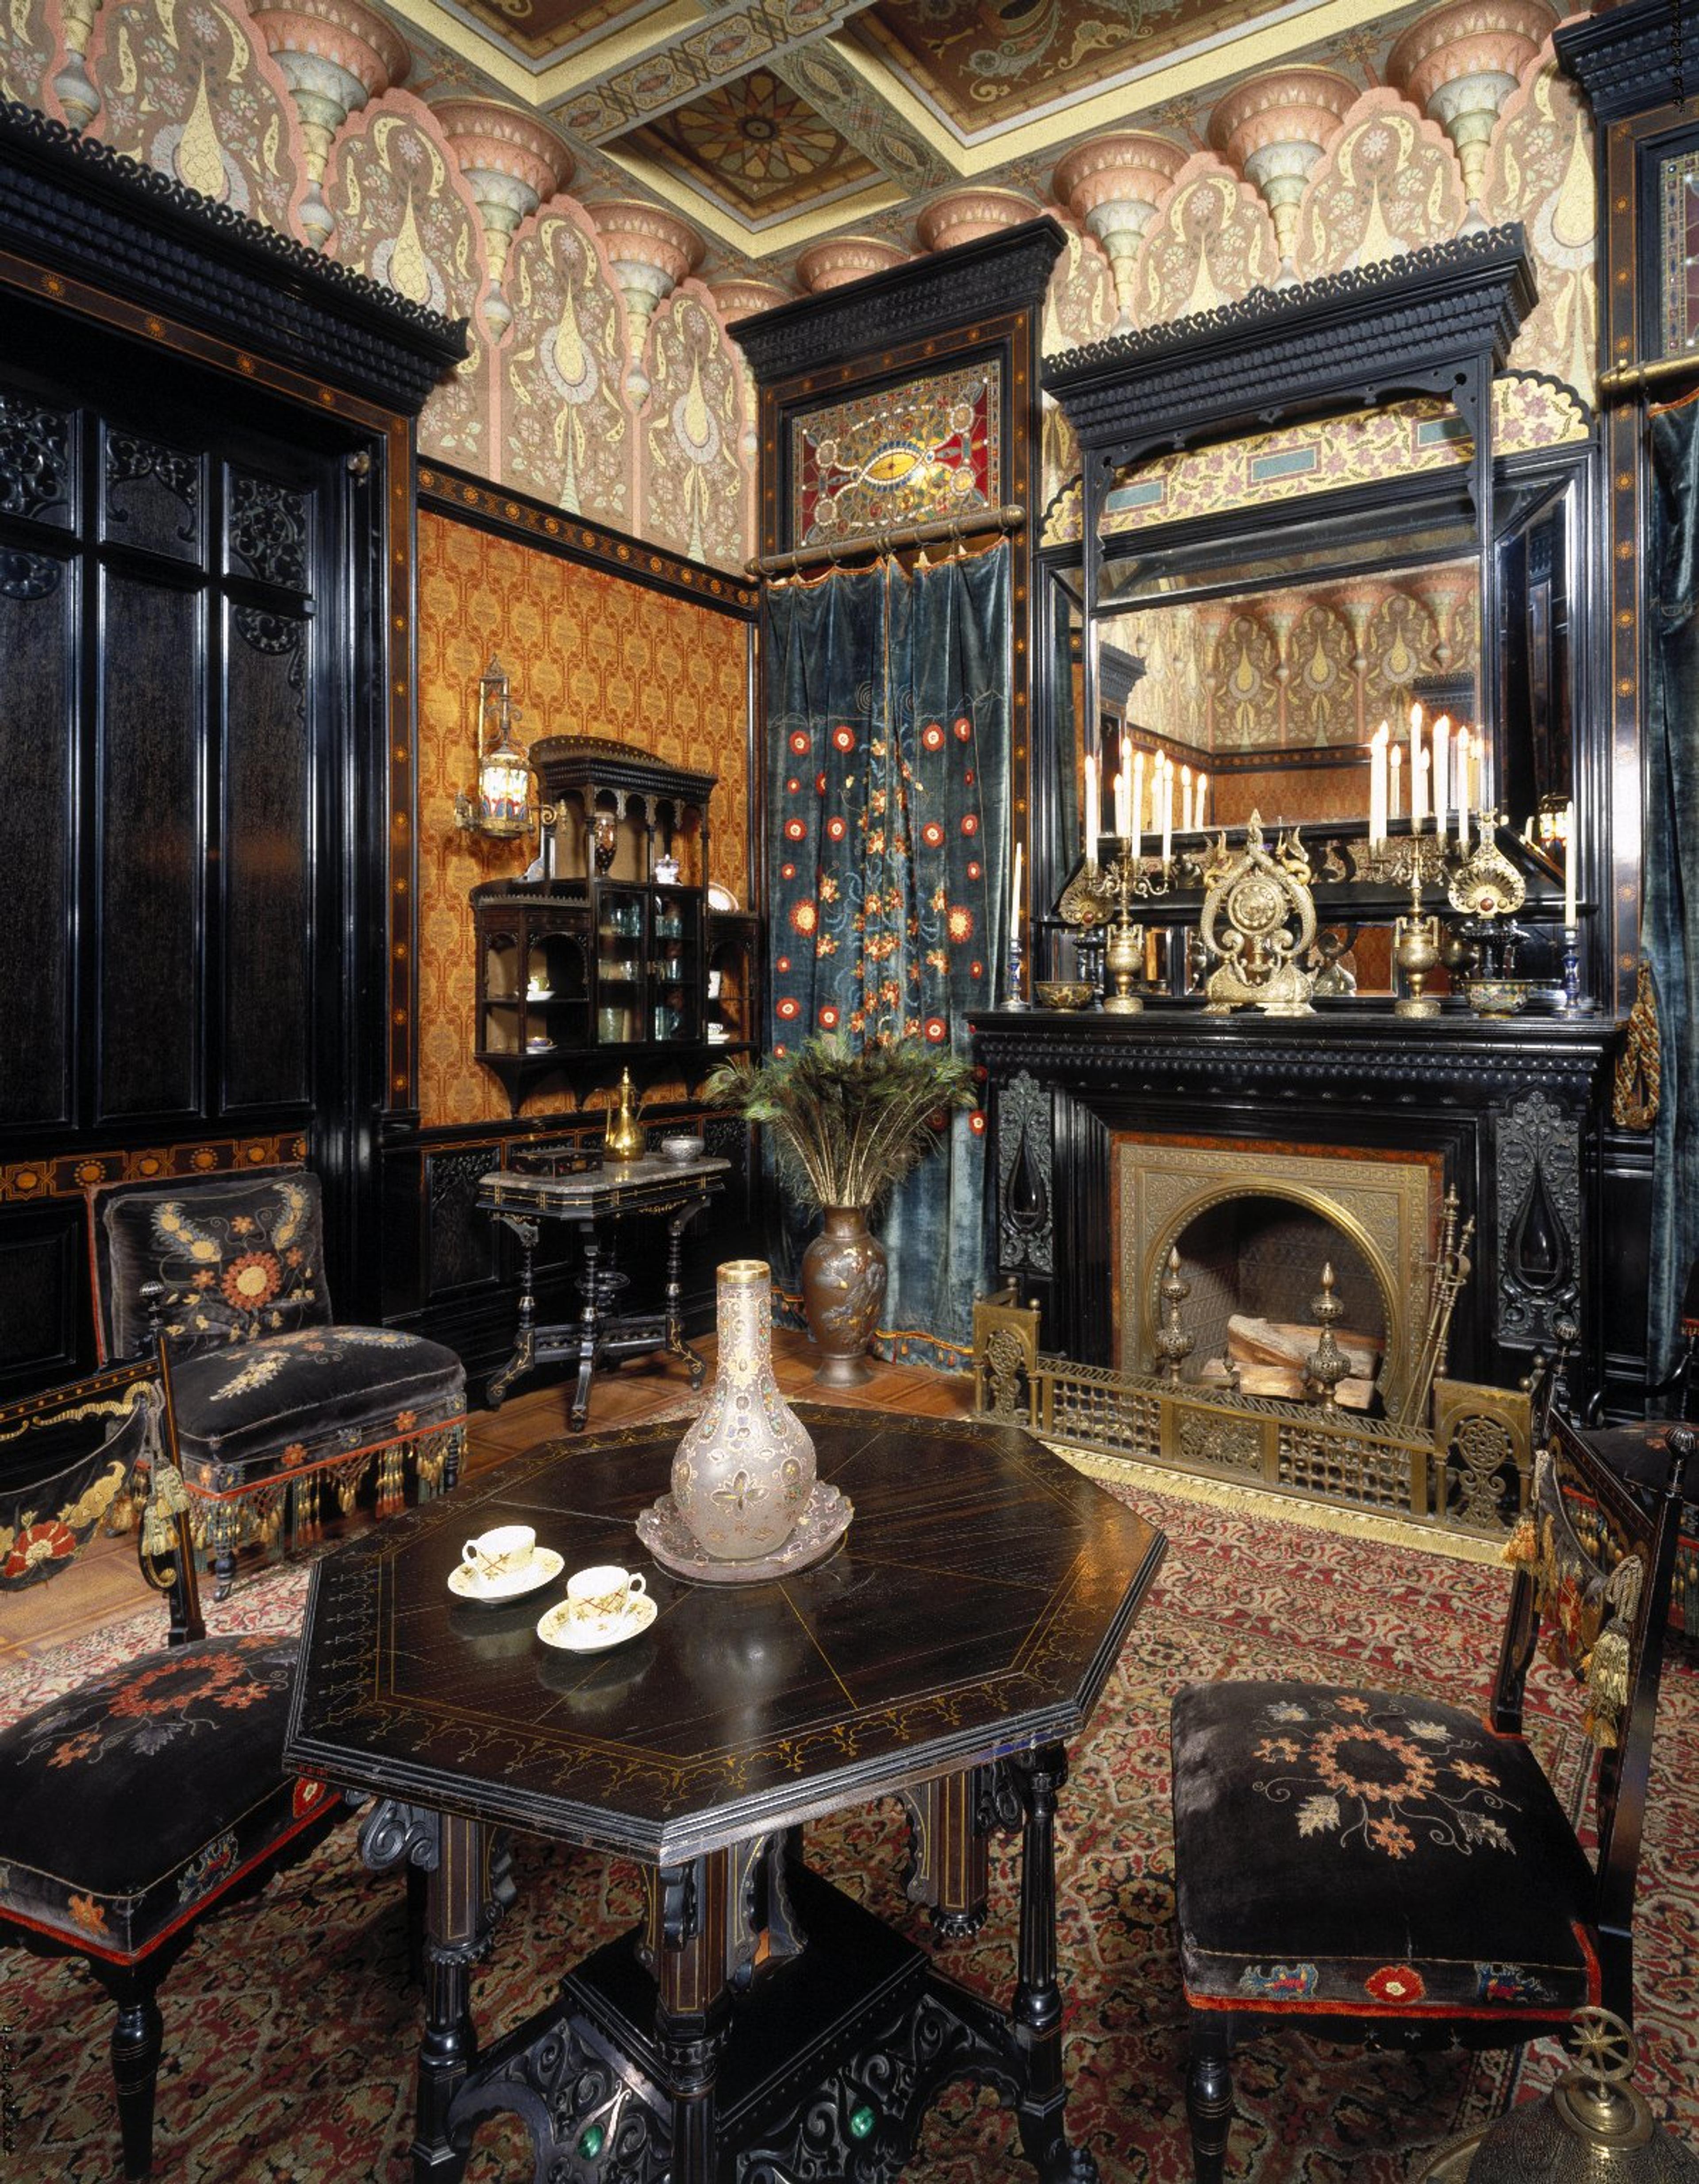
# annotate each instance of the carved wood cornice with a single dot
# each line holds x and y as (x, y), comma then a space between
(75, 205)
(937, 294)
(1622, 59)
(1351, 337)
(1335, 1061)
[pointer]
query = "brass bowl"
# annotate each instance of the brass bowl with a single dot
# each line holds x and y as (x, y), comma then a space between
(1063, 992)
(1497, 997)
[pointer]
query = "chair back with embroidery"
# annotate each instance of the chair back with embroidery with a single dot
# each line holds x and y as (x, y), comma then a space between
(1593, 1569)
(237, 1257)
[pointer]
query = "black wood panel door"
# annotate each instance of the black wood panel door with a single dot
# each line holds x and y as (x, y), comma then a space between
(178, 609)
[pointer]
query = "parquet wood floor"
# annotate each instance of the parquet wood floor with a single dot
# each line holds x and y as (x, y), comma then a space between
(104, 1584)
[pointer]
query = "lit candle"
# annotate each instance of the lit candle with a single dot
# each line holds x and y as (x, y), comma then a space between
(1203, 799)
(1188, 808)
(1570, 830)
(1442, 743)
(1138, 799)
(1117, 803)
(1091, 808)
(1394, 803)
(1167, 812)
(1418, 779)
(1464, 741)
(1015, 892)
(1378, 787)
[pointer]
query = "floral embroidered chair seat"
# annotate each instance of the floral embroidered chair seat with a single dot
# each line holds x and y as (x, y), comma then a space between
(276, 1403)
(1380, 1868)
(136, 1803)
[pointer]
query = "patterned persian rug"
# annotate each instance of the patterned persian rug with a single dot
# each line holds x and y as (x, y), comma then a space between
(290, 2027)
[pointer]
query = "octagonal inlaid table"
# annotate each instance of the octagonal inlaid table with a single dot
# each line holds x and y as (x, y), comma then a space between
(757, 2026)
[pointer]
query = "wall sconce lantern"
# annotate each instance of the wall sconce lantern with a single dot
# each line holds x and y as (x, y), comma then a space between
(501, 807)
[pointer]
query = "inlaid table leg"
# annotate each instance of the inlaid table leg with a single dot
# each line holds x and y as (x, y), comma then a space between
(465, 1898)
(589, 1329)
(677, 1346)
(1039, 1775)
(690, 1905)
(949, 1867)
(525, 1340)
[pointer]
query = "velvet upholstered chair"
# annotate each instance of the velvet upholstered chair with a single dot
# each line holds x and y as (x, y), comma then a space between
(1376, 1868)
(136, 1803)
(278, 1405)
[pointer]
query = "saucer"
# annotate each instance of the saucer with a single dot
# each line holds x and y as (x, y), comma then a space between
(542, 1568)
(556, 1627)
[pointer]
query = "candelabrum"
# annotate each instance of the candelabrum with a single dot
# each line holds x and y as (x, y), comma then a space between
(1096, 905)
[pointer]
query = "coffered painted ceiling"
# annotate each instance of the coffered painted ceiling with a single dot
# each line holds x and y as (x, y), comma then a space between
(771, 125)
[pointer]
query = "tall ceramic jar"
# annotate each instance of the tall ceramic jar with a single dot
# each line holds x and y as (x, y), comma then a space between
(843, 1276)
(745, 1469)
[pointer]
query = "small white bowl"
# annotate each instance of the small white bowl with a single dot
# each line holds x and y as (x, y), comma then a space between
(684, 1149)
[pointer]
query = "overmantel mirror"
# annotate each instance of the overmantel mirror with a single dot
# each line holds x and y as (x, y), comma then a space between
(1207, 668)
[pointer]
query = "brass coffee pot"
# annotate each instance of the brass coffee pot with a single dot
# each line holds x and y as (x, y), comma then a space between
(626, 1139)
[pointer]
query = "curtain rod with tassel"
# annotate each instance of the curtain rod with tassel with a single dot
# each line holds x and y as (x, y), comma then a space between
(1624, 379)
(961, 528)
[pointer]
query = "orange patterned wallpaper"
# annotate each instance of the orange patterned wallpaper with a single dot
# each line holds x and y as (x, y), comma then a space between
(590, 652)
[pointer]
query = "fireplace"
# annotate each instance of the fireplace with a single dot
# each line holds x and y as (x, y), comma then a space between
(1252, 1226)
(1113, 1137)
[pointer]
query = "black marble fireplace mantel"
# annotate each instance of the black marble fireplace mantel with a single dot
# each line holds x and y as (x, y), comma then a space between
(1511, 1110)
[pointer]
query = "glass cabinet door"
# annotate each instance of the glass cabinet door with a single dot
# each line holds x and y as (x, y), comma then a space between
(501, 1028)
(675, 967)
(622, 935)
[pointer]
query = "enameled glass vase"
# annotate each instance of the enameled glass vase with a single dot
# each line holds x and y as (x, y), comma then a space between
(745, 1469)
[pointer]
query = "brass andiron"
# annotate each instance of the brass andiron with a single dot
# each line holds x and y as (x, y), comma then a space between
(1327, 1364)
(1416, 951)
(1262, 899)
(1173, 1344)
(625, 1138)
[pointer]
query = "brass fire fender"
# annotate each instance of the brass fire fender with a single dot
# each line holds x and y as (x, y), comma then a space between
(1470, 1473)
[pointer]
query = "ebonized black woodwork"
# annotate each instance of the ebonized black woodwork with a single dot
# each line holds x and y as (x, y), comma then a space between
(204, 534)
(1623, 57)
(132, 232)
(966, 1627)
(1509, 1107)
(932, 296)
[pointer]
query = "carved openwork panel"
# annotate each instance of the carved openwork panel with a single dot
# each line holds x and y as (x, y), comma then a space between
(1538, 1242)
(152, 496)
(35, 461)
(1025, 1190)
(269, 531)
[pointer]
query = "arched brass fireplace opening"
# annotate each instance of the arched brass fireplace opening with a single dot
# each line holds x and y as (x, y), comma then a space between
(1253, 1227)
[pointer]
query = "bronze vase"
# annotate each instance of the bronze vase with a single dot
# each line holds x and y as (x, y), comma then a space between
(843, 1274)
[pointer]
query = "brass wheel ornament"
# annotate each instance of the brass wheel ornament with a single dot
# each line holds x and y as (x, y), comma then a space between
(1263, 901)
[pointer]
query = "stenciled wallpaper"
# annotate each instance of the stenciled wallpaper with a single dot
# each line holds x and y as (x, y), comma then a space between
(600, 375)
(1359, 180)
(590, 654)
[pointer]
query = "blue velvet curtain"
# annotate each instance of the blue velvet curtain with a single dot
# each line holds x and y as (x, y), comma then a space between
(1670, 926)
(889, 840)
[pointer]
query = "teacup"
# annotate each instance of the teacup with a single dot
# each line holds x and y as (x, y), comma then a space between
(500, 1553)
(603, 1594)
